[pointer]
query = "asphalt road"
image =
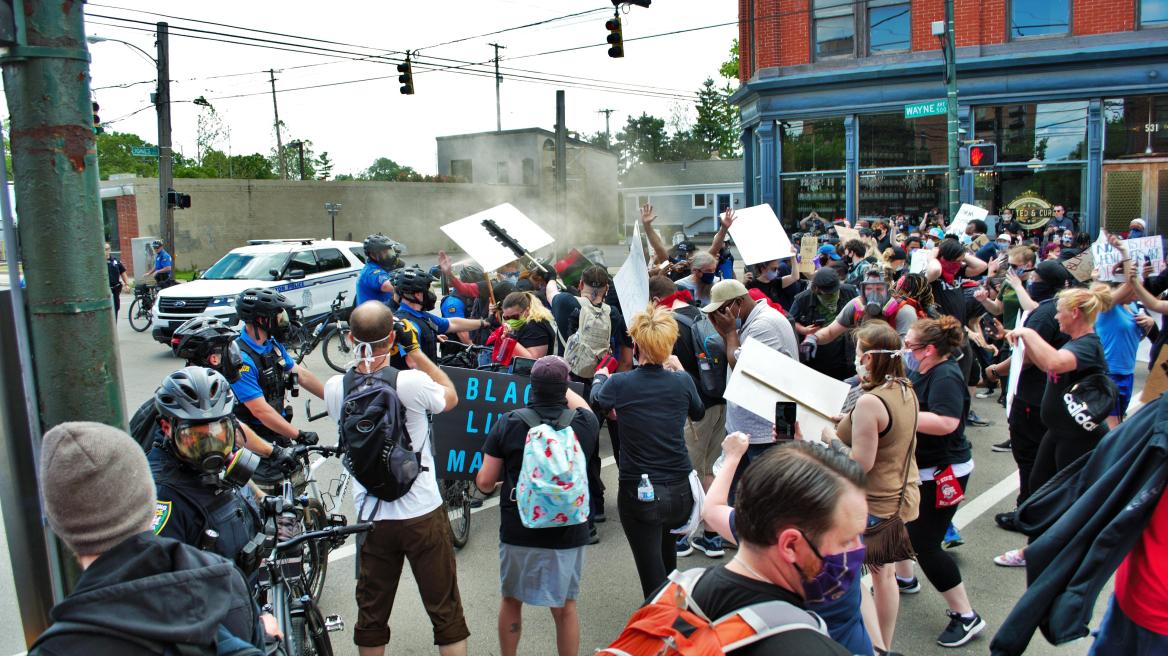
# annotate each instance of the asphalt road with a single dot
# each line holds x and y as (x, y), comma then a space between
(609, 590)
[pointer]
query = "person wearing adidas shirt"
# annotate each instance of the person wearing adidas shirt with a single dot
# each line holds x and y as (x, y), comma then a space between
(539, 566)
(414, 527)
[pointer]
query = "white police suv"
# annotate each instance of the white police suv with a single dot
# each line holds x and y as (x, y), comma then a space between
(308, 272)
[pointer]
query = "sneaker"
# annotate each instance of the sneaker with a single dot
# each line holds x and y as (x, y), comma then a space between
(974, 420)
(599, 518)
(911, 587)
(986, 393)
(712, 547)
(952, 539)
(1012, 558)
(684, 548)
(594, 537)
(1004, 447)
(1007, 521)
(960, 630)
(476, 503)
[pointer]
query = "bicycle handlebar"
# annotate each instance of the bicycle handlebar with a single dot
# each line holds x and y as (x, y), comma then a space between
(303, 450)
(336, 531)
(308, 411)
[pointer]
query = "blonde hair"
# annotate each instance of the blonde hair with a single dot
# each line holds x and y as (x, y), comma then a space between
(530, 305)
(1023, 253)
(1090, 303)
(654, 331)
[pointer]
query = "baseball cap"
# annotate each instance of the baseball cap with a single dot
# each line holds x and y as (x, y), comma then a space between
(898, 253)
(828, 249)
(727, 290)
(826, 280)
(1141, 223)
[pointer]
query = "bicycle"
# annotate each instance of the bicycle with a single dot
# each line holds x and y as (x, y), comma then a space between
(303, 338)
(142, 308)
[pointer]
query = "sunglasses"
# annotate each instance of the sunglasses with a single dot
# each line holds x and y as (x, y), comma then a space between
(510, 317)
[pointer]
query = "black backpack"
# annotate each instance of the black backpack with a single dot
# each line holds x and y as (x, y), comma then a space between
(144, 425)
(710, 351)
(372, 427)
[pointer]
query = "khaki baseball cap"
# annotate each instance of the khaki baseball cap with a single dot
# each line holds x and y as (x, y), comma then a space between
(727, 290)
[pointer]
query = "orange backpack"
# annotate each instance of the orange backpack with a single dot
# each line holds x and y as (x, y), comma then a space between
(673, 624)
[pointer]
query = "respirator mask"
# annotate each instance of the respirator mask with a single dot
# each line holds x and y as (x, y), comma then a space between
(209, 449)
(230, 361)
(876, 298)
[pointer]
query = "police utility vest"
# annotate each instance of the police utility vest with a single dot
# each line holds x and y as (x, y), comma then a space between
(427, 338)
(272, 380)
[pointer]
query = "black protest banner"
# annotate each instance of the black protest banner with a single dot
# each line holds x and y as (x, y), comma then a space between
(483, 397)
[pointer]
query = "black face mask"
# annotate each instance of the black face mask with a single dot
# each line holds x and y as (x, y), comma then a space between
(1040, 290)
(431, 299)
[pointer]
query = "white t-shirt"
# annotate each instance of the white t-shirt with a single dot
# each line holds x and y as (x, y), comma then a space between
(418, 393)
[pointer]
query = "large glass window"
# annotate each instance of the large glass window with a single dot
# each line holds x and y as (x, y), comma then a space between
(1032, 191)
(835, 28)
(1153, 13)
(891, 140)
(1045, 132)
(807, 194)
(912, 193)
(890, 26)
(1136, 127)
(816, 145)
(1039, 17)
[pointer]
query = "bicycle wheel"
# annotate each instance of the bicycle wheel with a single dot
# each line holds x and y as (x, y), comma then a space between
(316, 559)
(318, 642)
(139, 315)
(297, 341)
(457, 498)
(337, 349)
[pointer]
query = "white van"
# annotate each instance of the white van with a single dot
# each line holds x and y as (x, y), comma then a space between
(308, 272)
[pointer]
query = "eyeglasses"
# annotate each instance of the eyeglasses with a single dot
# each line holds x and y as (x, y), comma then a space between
(914, 347)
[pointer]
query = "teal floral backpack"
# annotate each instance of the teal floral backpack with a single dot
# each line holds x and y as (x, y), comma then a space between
(552, 489)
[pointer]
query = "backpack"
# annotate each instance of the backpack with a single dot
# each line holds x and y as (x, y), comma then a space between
(226, 644)
(552, 489)
(710, 351)
(584, 349)
(144, 425)
(673, 625)
(372, 428)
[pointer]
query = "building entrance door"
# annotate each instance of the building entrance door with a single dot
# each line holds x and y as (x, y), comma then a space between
(1135, 190)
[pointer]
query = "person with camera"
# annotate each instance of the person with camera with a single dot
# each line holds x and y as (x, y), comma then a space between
(100, 500)
(414, 526)
(267, 374)
(381, 257)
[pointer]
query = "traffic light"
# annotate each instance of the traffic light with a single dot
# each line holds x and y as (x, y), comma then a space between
(97, 129)
(615, 38)
(177, 200)
(407, 77)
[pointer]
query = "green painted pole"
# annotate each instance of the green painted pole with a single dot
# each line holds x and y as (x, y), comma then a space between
(68, 304)
(951, 97)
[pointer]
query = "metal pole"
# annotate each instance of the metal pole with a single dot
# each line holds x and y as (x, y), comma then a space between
(951, 97)
(279, 141)
(165, 154)
(607, 134)
(300, 146)
(561, 168)
(54, 157)
(498, 81)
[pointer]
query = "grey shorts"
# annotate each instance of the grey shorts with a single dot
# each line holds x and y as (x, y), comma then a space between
(541, 577)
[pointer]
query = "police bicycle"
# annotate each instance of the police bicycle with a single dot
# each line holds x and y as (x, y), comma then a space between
(303, 338)
(283, 589)
(141, 314)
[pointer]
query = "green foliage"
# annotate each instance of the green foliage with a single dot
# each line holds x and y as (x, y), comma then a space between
(326, 167)
(113, 156)
(729, 69)
(384, 169)
(291, 157)
(717, 124)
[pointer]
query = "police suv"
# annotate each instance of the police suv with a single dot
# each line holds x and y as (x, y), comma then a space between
(308, 272)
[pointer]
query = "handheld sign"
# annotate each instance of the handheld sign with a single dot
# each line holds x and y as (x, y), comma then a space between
(807, 248)
(966, 214)
(1016, 362)
(483, 397)
(1106, 259)
(1147, 250)
(1081, 266)
(846, 234)
(920, 261)
(473, 237)
(632, 281)
(759, 235)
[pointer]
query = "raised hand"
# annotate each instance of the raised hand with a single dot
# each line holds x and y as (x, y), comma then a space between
(444, 262)
(647, 215)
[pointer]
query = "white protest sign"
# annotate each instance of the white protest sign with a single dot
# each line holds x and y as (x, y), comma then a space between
(765, 376)
(472, 237)
(966, 214)
(1016, 358)
(1146, 250)
(759, 235)
(1106, 258)
(920, 261)
(632, 281)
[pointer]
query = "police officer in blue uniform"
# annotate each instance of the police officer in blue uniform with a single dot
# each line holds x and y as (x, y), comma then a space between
(266, 374)
(163, 267)
(381, 257)
(198, 503)
(416, 299)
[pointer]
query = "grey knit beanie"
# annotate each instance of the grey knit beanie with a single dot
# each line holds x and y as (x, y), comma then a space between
(96, 486)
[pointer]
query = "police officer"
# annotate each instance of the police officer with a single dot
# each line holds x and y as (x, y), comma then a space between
(381, 257)
(196, 504)
(117, 277)
(163, 268)
(412, 291)
(265, 374)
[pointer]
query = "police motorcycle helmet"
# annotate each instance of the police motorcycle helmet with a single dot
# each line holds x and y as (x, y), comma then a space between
(266, 308)
(412, 280)
(197, 403)
(199, 338)
(384, 251)
(875, 296)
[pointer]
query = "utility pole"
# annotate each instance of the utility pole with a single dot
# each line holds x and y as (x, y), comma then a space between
(561, 167)
(498, 81)
(299, 145)
(54, 157)
(279, 141)
(607, 135)
(951, 97)
(165, 154)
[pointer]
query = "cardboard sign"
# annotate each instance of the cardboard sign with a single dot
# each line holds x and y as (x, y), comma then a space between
(483, 397)
(807, 248)
(632, 281)
(1146, 250)
(1016, 360)
(847, 234)
(919, 262)
(1157, 378)
(966, 214)
(1106, 258)
(759, 235)
(472, 237)
(1082, 266)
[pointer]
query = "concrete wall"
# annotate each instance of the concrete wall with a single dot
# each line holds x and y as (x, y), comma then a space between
(225, 214)
(486, 152)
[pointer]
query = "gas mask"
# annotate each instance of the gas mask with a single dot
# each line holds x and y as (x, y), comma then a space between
(209, 449)
(230, 360)
(277, 326)
(876, 298)
(429, 301)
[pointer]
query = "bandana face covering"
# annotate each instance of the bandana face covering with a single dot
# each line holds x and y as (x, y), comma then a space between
(839, 573)
(949, 270)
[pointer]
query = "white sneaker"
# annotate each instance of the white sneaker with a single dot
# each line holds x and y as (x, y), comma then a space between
(1012, 558)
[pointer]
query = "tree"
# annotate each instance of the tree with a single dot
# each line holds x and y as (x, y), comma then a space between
(730, 69)
(643, 140)
(326, 167)
(384, 169)
(114, 156)
(291, 156)
(209, 131)
(717, 125)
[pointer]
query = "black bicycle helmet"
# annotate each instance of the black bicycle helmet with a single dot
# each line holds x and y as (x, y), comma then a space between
(376, 247)
(197, 403)
(471, 273)
(198, 339)
(410, 281)
(258, 303)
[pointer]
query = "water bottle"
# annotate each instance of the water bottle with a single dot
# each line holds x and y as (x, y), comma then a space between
(319, 327)
(645, 489)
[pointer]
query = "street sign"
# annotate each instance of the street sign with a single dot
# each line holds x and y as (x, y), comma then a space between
(143, 151)
(926, 109)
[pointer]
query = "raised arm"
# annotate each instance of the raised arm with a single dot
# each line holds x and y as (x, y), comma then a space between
(659, 250)
(720, 237)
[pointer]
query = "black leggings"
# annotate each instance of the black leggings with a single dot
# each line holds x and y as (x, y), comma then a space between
(647, 525)
(1056, 452)
(927, 532)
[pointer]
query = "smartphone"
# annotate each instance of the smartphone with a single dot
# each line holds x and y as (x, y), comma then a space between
(785, 421)
(522, 366)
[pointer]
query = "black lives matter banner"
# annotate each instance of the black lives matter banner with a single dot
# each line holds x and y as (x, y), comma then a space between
(483, 397)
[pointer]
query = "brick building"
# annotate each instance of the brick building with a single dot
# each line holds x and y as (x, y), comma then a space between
(1073, 92)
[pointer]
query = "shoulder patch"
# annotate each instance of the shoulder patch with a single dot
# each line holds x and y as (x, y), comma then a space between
(161, 514)
(243, 368)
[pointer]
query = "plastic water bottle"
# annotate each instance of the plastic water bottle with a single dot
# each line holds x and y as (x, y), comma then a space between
(645, 489)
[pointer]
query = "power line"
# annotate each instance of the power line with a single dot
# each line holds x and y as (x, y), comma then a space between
(520, 27)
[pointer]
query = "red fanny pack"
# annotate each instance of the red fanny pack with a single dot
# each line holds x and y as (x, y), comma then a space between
(949, 492)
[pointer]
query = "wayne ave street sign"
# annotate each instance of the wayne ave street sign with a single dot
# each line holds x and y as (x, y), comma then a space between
(926, 109)
(142, 151)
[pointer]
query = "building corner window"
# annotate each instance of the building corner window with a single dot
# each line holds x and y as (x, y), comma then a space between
(834, 26)
(1039, 18)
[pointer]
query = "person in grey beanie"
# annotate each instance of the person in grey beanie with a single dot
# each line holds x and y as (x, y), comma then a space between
(99, 498)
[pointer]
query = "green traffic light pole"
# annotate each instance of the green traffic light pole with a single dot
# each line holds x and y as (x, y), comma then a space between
(67, 304)
(950, 51)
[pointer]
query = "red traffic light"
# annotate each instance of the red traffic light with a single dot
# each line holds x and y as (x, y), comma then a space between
(611, 24)
(983, 155)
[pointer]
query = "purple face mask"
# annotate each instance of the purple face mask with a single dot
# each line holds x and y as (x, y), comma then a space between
(839, 573)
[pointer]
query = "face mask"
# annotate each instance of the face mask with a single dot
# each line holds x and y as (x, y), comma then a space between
(515, 324)
(1039, 290)
(861, 370)
(280, 326)
(230, 362)
(839, 573)
(874, 302)
(767, 276)
(911, 361)
(708, 278)
(512, 277)
(204, 447)
(430, 302)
